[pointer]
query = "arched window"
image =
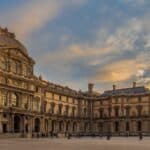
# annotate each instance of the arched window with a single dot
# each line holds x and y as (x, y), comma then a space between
(15, 100)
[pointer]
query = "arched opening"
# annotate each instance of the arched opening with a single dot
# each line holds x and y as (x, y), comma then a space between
(116, 126)
(127, 126)
(26, 128)
(100, 127)
(139, 126)
(53, 126)
(4, 128)
(85, 127)
(67, 126)
(74, 127)
(17, 124)
(61, 126)
(37, 125)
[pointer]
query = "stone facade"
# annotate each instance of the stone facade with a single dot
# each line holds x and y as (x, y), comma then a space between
(29, 105)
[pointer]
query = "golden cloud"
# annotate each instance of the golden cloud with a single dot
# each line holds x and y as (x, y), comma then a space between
(118, 71)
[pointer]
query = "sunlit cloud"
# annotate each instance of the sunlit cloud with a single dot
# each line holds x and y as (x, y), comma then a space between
(115, 52)
(118, 71)
(99, 55)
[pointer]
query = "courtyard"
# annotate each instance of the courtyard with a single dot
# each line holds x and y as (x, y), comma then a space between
(116, 143)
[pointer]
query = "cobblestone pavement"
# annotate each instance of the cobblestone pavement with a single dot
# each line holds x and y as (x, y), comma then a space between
(114, 143)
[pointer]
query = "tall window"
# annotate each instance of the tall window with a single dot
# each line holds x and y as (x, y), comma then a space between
(73, 111)
(60, 109)
(101, 113)
(38, 104)
(139, 126)
(24, 70)
(116, 112)
(5, 98)
(60, 98)
(139, 109)
(127, 126)
(15, 100)
(127, 111)
(84, 112)
(45, 105)
(52, 107)
(67, 110)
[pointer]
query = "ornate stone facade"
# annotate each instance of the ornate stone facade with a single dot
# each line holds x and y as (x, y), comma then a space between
(31, 105)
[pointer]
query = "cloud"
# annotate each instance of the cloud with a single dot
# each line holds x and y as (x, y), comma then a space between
(118, 56)
(118, 71)
(33, 15)
(118, 52)
(121, 40)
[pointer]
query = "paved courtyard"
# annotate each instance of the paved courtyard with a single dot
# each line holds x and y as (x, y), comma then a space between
(76, 144)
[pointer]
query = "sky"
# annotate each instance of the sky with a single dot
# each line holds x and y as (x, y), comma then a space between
(75, 42)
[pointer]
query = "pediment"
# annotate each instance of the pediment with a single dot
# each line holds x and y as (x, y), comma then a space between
(18, 54)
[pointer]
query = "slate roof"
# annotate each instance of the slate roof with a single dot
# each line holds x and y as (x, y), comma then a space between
(126, 91)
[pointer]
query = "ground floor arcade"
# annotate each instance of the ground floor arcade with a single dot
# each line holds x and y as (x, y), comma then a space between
(27, 124)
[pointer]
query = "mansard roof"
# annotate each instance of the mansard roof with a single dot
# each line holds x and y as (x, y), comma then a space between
(126, 91)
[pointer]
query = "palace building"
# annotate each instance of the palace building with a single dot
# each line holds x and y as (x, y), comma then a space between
(29, 105)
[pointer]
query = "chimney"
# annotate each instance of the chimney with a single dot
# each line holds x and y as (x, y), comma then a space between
(90, 87)
(134, 84)
(114, 87)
